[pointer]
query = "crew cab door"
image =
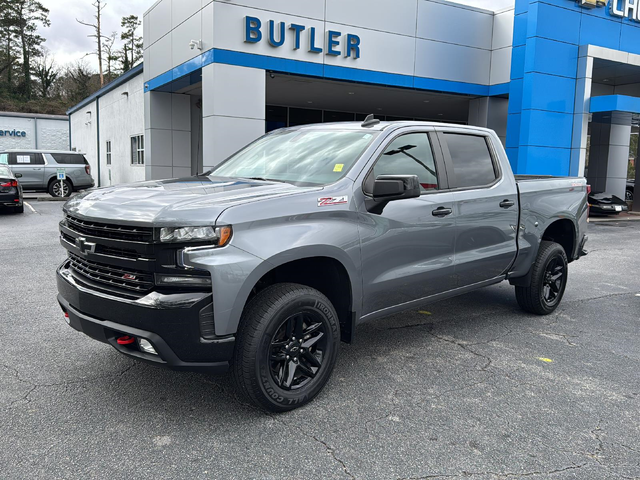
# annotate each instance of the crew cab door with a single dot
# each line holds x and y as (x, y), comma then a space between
(486, 203)
(408, 249)
(31, 166)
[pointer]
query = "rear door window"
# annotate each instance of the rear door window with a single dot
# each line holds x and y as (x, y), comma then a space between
(471, 159)
(409, 154)
(69, 158)
(24, 159)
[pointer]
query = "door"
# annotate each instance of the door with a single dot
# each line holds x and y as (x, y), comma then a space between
(486, 207)
(31, 166)
(408, 249)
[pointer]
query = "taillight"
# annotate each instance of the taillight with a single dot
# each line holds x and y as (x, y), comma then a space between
(87, 169)
(588, 189)
(12, 183)
(588, 204)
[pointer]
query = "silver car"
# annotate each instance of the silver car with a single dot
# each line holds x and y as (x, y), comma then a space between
(39, 169)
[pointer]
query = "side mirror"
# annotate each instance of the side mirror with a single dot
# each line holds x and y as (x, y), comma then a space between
(17, 175)
(395, 187)
(387, 188)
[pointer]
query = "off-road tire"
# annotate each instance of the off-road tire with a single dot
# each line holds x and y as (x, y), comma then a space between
(532, 298)
(263, 318)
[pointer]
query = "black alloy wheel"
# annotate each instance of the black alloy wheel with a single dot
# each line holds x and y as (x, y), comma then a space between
(549, 275)
(286, 347)
(553, 280)
(297, 350)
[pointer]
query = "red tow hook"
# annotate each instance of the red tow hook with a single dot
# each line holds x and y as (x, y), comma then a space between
(126, 340)
(66, 315)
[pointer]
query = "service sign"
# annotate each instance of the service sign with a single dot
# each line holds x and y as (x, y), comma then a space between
(61, 174)
(13, 133)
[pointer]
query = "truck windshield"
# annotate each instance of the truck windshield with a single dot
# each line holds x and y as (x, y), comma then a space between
(300, 157)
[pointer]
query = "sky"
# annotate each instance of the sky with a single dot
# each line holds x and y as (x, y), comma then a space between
(67, 40)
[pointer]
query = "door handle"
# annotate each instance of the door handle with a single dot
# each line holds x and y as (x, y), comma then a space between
(441, 212)
(507, 203)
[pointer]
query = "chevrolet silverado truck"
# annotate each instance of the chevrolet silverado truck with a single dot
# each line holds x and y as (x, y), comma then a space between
(265, 263)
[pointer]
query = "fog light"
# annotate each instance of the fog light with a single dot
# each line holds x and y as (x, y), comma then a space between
(146, 346)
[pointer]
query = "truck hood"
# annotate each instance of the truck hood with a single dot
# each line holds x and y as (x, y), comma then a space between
(178, 201)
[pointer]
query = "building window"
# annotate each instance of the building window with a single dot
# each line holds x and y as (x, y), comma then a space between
(109, 152)
(137, 150)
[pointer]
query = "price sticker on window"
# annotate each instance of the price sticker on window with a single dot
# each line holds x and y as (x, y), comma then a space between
(338, 167)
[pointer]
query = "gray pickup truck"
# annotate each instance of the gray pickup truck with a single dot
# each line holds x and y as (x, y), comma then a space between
(265, 263)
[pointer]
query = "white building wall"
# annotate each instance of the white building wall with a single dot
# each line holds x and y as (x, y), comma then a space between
(427, 38)
(121, 116)
(51, 134)
(84, 132)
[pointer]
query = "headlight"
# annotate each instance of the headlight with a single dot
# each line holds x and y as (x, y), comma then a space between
(219, 236)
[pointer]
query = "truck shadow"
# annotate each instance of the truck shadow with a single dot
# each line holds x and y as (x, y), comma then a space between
(474, 318)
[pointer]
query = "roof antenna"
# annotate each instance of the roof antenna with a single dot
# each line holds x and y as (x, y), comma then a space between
(370, 121)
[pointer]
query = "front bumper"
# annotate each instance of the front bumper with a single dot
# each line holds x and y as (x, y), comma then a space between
(171, 322)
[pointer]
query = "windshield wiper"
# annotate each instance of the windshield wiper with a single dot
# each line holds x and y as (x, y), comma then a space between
(266, 179)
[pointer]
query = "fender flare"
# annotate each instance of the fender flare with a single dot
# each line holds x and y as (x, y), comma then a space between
(299, 253)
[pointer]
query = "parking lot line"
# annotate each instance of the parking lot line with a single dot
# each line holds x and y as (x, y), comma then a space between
(32, 209)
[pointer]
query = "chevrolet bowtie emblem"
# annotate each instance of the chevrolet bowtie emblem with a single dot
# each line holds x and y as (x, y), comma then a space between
(85, 246)
(591, 3)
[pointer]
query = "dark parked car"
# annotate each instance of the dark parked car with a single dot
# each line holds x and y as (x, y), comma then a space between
(606, 204)
(10, 190)
(628, 194)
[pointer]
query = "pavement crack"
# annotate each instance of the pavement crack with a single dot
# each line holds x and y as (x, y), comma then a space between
(329, 449)
(466, 348)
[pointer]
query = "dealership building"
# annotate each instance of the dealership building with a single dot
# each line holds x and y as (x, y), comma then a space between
(33, 131)
(558, 80)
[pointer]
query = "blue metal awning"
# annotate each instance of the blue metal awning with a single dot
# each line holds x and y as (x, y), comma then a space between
(615, 103)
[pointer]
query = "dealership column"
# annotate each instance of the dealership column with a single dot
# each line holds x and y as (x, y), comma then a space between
(609, 152)
(167, 135)
(233, 110)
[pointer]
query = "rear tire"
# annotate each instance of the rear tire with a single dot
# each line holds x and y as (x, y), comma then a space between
(548, 281)
(19, 209)
(286, 347)
(55, 190)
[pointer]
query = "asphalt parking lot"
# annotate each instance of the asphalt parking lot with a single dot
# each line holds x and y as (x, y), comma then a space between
(469, 388)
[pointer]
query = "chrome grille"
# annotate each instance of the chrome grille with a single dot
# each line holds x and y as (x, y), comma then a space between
(125, 278)
(108, 230)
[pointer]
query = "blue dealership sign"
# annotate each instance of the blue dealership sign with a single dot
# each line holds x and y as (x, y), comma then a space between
(13, 133)
(347, 45)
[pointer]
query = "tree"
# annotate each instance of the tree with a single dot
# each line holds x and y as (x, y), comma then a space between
(110, 54)
(28, 14)
(46, 74)
(133, 43)
(77, 82)
(97, 28)
(9, 55)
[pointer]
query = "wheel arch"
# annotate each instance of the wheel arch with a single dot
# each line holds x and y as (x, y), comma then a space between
(563, 232)
(327, 269)
(53, 178)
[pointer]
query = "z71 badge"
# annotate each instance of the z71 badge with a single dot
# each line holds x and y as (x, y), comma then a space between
(328, 201)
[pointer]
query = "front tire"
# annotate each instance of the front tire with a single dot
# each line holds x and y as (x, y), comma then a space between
(57, 190)
(286, 347)
(548, 280)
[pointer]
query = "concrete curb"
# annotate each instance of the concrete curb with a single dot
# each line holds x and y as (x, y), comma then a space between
(614, 218)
